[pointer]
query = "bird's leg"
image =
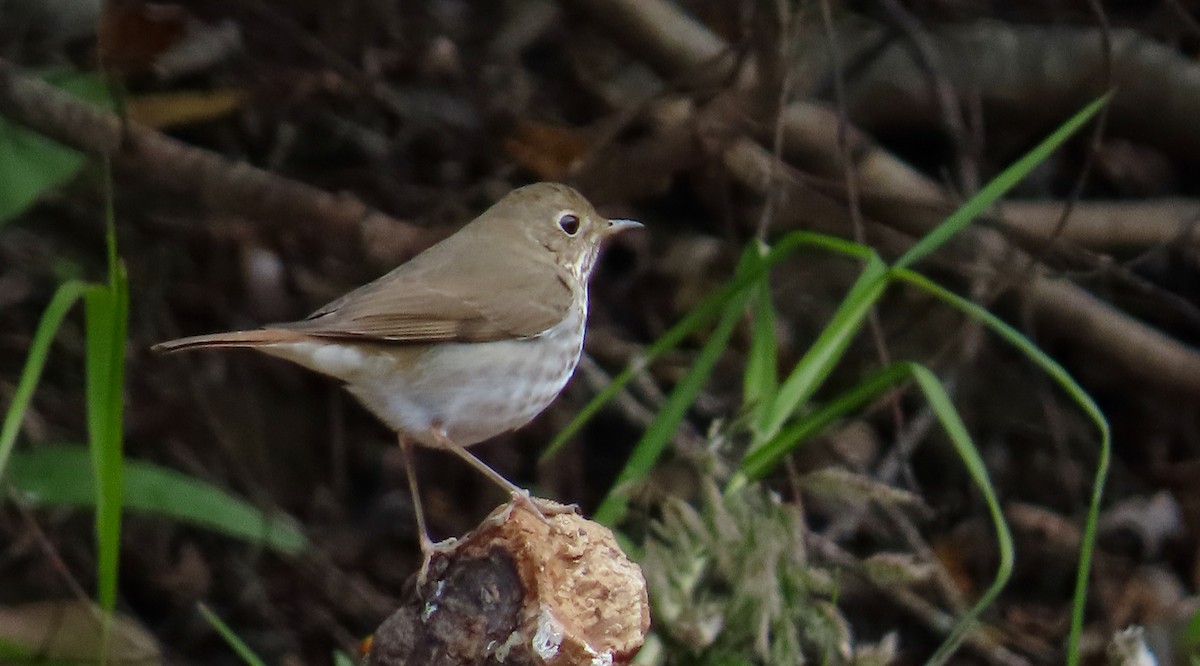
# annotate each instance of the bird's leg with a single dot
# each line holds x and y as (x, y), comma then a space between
(517, 493)
(428, 547)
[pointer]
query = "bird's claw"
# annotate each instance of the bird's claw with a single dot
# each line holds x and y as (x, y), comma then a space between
(545, 509)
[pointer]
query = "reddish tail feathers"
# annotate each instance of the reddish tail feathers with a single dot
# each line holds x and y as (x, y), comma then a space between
(232, 339)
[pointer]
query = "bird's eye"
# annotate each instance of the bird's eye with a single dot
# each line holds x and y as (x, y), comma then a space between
(569, 224)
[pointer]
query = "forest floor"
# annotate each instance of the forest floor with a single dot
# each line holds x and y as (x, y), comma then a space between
(714, 123)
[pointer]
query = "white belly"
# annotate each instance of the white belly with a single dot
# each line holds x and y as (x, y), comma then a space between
(472, 391)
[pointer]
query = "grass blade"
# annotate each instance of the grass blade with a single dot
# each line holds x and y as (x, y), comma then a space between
(15, 653)
(760, 380)
(1081, 398)
(62, 476)
(829, 346)
(758, 462)
(105, 311)
(943, 409)
(231, 639)
(52, 318)
(650, 447)
(708, 309)
(998, 186)
(106, 317)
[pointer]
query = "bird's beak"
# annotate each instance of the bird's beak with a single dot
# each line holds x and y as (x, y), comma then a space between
(617, 226)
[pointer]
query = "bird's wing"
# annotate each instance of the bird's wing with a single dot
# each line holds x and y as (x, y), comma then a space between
(431, 299)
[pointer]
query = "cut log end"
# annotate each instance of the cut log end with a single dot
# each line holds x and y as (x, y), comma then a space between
(522, 590)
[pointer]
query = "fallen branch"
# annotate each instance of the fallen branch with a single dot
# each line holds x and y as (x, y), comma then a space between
(893, 193)
(1037, 75)
(1069, 311)
(224, 185)
(1109, 225)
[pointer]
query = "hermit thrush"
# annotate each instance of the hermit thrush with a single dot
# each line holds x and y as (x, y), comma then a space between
(473, 337)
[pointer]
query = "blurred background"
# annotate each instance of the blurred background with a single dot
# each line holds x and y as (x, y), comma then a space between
(270, 156)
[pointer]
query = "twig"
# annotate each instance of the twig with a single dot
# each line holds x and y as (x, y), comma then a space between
(774, 60)
(51, 553)
(949, 109)
(1098, 127)
(1184, 15)
(850, 177)
(635, 412)
(977, 641)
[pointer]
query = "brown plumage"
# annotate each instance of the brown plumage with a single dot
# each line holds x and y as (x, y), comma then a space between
(477, 285)
(471, 338)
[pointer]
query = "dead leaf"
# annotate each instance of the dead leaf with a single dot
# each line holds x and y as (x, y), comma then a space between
(134, 33)
(548, 150)
(71, 631)
(138, 37)
(956, 563)
(171, 109)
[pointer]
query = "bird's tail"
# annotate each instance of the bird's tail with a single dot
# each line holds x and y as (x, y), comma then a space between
(258, 338)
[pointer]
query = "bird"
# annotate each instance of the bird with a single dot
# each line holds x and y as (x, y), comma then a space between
(471, 338)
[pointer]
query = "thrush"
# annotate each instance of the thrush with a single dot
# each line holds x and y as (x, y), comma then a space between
(469, 339)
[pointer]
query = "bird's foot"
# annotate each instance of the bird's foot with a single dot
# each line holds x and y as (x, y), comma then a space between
(544, 508)
(429, 549)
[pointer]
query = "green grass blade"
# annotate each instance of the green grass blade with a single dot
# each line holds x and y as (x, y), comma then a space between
(650, 447)
(1081, 398)
(760, 380)
(231, 638)
(998, 186)
(62, 476)
(827, 350)
(759, 462)
(1189, 640)
(15, 653)
(939, 402)
(39, 349)
(106, 310)
(708, 309)
(105, 324)
(829, 346)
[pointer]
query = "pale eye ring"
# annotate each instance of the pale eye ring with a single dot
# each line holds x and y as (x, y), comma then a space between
(569, 223)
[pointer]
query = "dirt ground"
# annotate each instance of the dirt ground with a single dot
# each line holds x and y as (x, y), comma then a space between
(418, 115)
